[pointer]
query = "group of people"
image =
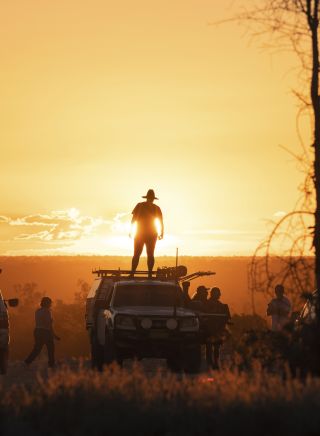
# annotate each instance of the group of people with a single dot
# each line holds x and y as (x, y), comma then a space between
(215, 315)
(279, 309)
(145, 217)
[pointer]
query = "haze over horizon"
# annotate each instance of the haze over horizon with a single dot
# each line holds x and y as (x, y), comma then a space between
(103, 100)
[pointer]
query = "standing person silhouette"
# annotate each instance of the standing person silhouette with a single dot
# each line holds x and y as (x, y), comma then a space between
(43, 333)
(279, 309)
(144, 217)
(218, 327)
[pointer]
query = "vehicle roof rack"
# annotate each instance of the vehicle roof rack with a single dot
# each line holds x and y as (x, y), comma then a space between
(178, 274)
(120, 273)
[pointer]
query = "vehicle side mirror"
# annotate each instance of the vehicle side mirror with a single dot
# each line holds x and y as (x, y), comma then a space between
(13, 302)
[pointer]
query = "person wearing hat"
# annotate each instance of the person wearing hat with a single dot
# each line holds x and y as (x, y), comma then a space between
(220, 315)
(201, 295)
(43, 333)
(144, 217)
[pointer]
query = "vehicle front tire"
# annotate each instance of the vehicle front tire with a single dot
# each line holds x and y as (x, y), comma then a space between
(97, 353)
(4, 358)
(192, 359)
(174, 362)
(110, 352)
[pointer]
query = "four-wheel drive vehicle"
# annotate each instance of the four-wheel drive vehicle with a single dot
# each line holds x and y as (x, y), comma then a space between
(4, 332)
(140, 318)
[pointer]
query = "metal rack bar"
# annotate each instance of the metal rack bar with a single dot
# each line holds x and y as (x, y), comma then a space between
(164, 274)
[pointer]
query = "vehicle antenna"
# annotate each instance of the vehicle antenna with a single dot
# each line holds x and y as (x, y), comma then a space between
(176, 280)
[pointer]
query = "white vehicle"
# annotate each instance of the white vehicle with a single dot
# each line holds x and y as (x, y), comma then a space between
(142, 317)
(4, 332)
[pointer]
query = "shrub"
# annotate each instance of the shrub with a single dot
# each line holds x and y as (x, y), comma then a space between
(117, 402)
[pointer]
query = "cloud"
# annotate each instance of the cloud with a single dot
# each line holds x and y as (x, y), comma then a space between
(121, 223)
(71, 232)
(43, 236)
(223, 232)
(60, 225)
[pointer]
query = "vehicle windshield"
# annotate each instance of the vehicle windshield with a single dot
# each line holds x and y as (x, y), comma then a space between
(145, 295)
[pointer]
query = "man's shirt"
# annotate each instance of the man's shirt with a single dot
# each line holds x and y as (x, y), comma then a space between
(221, 315)
(43, 318)
(279, 309)
(145, 214)
(215, 306)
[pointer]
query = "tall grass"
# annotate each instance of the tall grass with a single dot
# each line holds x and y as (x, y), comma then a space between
(118, 401)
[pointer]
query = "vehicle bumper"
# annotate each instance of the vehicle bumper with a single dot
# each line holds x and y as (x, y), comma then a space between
(154, 343)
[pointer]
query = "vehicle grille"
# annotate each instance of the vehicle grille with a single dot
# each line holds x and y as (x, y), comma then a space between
(157, 323)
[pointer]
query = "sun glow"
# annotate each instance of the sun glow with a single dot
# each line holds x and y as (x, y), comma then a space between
(73, 213)
(158, 226)
(133, 230)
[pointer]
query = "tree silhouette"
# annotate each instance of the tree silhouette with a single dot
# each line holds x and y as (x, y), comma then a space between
(293, 25)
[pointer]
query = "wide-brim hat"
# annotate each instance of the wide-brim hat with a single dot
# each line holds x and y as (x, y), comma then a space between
(202, 289)
(150, 194)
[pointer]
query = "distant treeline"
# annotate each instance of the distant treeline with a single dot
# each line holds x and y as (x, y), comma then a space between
(69, 322)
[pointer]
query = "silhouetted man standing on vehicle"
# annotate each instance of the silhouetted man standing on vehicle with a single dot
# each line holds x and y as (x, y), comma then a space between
(43, 332)
(279, 309)
(146, 216)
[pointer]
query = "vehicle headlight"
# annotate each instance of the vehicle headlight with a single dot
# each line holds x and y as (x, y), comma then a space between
(146, 323)
(124, 322)
(172, 324)
(190, 324)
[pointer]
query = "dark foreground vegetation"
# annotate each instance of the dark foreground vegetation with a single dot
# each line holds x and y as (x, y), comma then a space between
(129, 401)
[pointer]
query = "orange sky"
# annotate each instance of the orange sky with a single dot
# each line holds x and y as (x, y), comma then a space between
(102, 100)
